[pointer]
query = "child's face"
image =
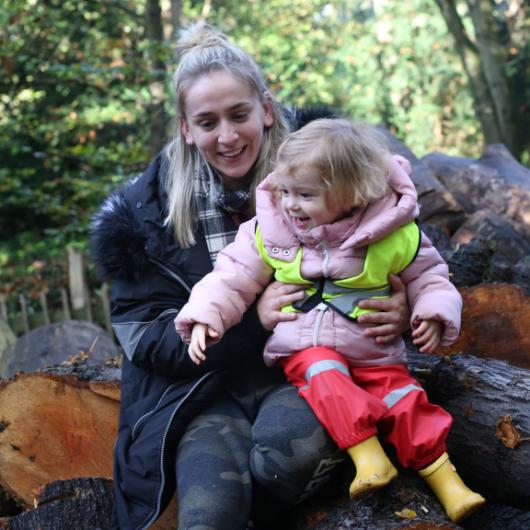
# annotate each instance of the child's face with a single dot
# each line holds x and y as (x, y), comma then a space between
(304, 199)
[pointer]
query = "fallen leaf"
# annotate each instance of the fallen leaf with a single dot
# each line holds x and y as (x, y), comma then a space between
(406, 513)
(507, 433)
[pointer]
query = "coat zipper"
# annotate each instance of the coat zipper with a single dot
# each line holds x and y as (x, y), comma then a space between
(154, 517)
(321, 307)
(164, 438)
(171, 273)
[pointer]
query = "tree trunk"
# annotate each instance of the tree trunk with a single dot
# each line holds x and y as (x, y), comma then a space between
(495, 62)
(56, 425)
(438, 206)
(495, 181)
(490, 438)
(495, 324)
(176, 13)
(157, 116)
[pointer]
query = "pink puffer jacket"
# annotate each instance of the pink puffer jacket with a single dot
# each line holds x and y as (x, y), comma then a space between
(335, 251)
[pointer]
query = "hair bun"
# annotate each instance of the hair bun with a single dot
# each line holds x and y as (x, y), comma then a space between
(201, 35)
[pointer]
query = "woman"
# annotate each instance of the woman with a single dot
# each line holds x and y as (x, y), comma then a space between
(230, 431)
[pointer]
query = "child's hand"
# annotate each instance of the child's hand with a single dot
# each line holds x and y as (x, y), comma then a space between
(427, 335)
(198, 341)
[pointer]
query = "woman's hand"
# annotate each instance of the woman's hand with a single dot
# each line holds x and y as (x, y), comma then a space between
(275, 296)
(393, 314)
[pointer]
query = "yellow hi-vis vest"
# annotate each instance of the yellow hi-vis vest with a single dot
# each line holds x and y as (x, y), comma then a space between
(391, 254)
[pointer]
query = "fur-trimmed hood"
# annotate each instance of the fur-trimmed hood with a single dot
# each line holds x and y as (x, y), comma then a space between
(129, 227)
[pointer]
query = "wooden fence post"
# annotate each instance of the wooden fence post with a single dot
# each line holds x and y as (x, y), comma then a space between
(77, 281)
(66, 306)
(44, 306)
(24, 311)
(3, 307)
(105, 300)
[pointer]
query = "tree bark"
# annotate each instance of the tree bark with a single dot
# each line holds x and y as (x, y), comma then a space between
(495, 324)
(157, 115)
(495, 63)
(484, 106)
(438, 206)
(495, 181)
(489, 441)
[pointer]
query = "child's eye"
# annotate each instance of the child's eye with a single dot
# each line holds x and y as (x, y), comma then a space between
(283, 192)
(305, 195)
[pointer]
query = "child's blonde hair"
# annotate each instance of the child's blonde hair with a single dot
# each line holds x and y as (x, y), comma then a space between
(350, 157)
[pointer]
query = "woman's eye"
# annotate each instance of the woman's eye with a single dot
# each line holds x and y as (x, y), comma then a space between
(206, 125)
(241, 116)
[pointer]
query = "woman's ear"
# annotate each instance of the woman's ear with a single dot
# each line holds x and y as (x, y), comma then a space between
(185, 131)
(268, 117)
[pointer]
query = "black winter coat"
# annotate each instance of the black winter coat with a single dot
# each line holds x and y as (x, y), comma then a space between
(161, 389)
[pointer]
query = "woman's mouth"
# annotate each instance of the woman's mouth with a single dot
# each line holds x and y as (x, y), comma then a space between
(233, 154)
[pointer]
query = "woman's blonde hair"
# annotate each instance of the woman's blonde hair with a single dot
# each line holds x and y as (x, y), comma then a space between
(350, 157)
(202, 49)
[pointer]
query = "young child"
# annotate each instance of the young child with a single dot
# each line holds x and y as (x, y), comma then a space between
(337, 216)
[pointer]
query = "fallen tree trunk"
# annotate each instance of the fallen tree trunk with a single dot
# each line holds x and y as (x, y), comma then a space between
(495, 181)
(495, 324)
(76, 504)
(56, 425)
(490, 438)
(438, 206)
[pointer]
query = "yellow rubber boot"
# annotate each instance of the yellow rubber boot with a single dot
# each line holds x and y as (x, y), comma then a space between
(373, 468)
(456, 498)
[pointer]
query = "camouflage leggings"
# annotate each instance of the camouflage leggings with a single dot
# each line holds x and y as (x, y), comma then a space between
(268, 439)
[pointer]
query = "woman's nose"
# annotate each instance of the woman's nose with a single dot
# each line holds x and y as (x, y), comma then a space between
(227, 133)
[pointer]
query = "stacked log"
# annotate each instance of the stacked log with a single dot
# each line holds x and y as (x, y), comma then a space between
(57, 426)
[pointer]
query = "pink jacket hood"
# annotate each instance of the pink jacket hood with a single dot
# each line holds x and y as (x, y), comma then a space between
(365, 226)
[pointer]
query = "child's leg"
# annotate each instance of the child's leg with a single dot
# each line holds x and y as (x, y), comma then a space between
(323, 378)
(347, 412)
(418, 430)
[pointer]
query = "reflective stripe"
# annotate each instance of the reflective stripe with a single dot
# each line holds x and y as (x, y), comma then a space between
(324, 366)
(130, 333)
(393, 397)
(347, 303)
(332, 288)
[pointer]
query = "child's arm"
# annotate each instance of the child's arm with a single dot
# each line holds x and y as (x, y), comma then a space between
(200, 338)
(431, 295)
(427, 334)
(220, 298)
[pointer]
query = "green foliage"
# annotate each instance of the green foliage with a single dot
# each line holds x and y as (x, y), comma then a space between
(74, 94)
(394, 64)
(71, 125)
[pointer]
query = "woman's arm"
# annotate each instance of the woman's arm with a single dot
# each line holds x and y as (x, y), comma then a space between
(142, 317)
(393, 314)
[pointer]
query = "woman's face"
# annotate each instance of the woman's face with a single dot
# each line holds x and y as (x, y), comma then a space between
(225, 120)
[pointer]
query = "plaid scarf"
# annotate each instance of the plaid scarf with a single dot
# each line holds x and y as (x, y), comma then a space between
(213, 205)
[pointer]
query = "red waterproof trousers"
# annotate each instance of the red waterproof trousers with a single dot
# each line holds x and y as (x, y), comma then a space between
(355, 403)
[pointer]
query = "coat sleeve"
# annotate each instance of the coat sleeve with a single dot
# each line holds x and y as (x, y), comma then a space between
(143, 322)
(430, 293)
(145, 300)
(223, 296)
